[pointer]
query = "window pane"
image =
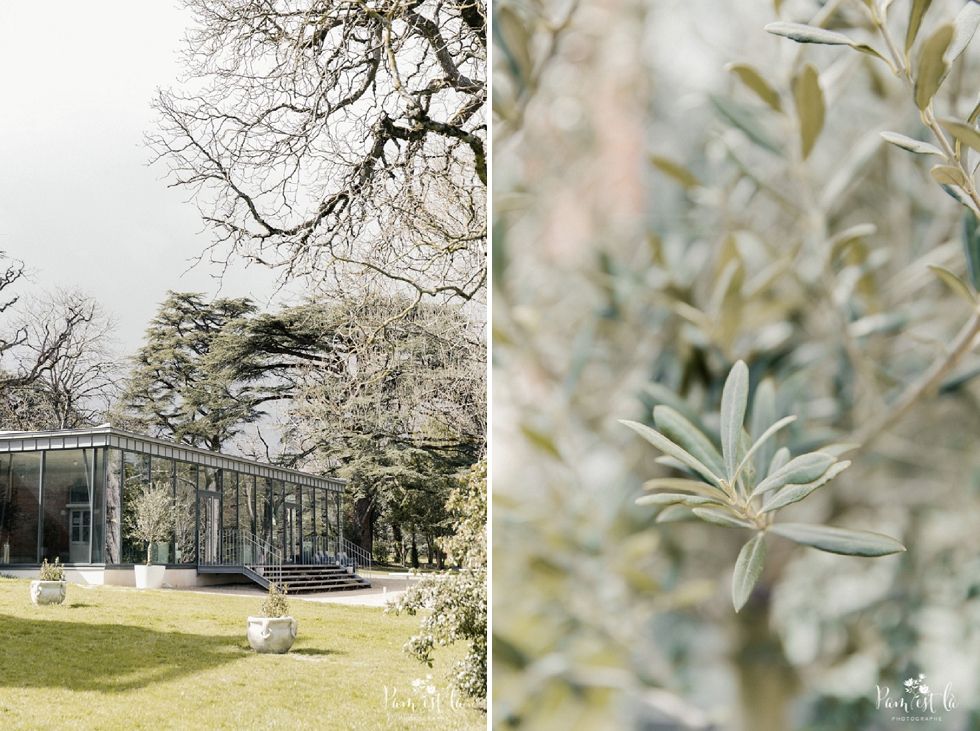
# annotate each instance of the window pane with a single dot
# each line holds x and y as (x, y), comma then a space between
(113, 507)
(162, 474)
(66, 486)
(98, 506)
(136, 476)
(186, 533)
(209, 478)
(20, 510)
(229, 510)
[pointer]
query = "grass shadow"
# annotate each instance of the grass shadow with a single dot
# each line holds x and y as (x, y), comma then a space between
(315, 651)
(42, 653)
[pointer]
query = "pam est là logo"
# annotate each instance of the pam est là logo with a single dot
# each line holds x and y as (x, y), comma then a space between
(422, 697)
(919, 702)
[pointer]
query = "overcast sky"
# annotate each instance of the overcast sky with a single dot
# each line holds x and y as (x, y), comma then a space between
(78, 203)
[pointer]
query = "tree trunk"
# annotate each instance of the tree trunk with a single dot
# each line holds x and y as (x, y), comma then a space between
(364, 523)
(415, 552)
(396, 532)
(767, 681)
(440, 559)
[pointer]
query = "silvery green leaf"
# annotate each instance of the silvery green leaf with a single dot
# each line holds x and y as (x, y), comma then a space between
(663, 395)
(679, 483)
(675, 514)
(965, 133)
(755, 81)
(745, 120)
(798, 471)
(839, 448)
(779, 460)
(766, 435)
(794, 493)
(965, 26)
(763, 415)
(948, 175)
(932, 66)
(669, 448)
(683, 433)
(961, 197)
(919, 8)
(722, 518)
(810, 108)
(971, 247)
(749, 565)
(802, 33)
(675, 170)
(674, 498)
(838, 540)
(912, 145)
(734, 399)
(955, 284)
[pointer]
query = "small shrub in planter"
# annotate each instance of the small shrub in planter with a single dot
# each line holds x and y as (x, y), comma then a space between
(274, 631)
(152, 520)
(49, 587)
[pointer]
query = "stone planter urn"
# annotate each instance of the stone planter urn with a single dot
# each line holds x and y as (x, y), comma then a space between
(47, 592)
(149, 576)
(271, 634)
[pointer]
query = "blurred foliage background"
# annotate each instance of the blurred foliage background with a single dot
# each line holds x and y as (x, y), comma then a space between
(656, 219)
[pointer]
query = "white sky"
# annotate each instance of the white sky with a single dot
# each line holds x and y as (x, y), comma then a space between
(78, 203)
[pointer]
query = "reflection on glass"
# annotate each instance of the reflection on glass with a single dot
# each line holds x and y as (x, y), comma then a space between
(66, 530)
(98, 506)
(162, 475)
(113, 507)
(20, 511)
(229, 491)
(186, 513)
(136, 474)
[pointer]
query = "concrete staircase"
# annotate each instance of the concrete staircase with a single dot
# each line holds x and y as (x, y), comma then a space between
(310, 578)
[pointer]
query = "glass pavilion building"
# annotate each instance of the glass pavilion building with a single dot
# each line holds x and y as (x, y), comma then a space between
(68, 495)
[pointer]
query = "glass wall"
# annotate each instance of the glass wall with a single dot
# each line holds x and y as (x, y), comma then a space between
(229, 501)
(21, 475)
(162, 475)
(186, 532)
(113, 506)
(67, 506)
(135, 473)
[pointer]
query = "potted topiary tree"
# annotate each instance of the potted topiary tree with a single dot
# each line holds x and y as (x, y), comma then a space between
(274, 631)
(49, 587)
(151, 520)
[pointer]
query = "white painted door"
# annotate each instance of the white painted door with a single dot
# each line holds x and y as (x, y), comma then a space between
(80, 529)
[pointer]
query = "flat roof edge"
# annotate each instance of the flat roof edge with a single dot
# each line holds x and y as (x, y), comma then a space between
(106, 435)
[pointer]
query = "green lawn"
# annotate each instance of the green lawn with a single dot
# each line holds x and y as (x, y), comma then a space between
(121, 658)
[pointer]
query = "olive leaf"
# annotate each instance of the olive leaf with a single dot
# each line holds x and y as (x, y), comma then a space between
(746, 121)
(971, 247)
(916, 146)
(964, 28)
(793, 493)
(754, 80)
(675, 170)
(763, 414)
(683, 433)
(679, 483)
(722, 518)
(669, 448)
(676, 498)
(675, 514)
(919, 8)
(779, 459)
(810, 108)
(965, 133)
(932, 66)
(948, 175)
(802, 33)
(749, 565)
(762, 440)
(957, 285)
(734, 399)
(801, 470)
(838, 540)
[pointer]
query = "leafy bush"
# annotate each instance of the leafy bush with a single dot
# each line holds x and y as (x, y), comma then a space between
(51, 572)
(458, 601)
(276, 605)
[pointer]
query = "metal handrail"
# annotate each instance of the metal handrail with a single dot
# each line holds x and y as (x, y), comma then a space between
(354, 556)
(244, 548)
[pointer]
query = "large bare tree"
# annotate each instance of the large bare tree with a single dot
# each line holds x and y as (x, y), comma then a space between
(337, 139)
